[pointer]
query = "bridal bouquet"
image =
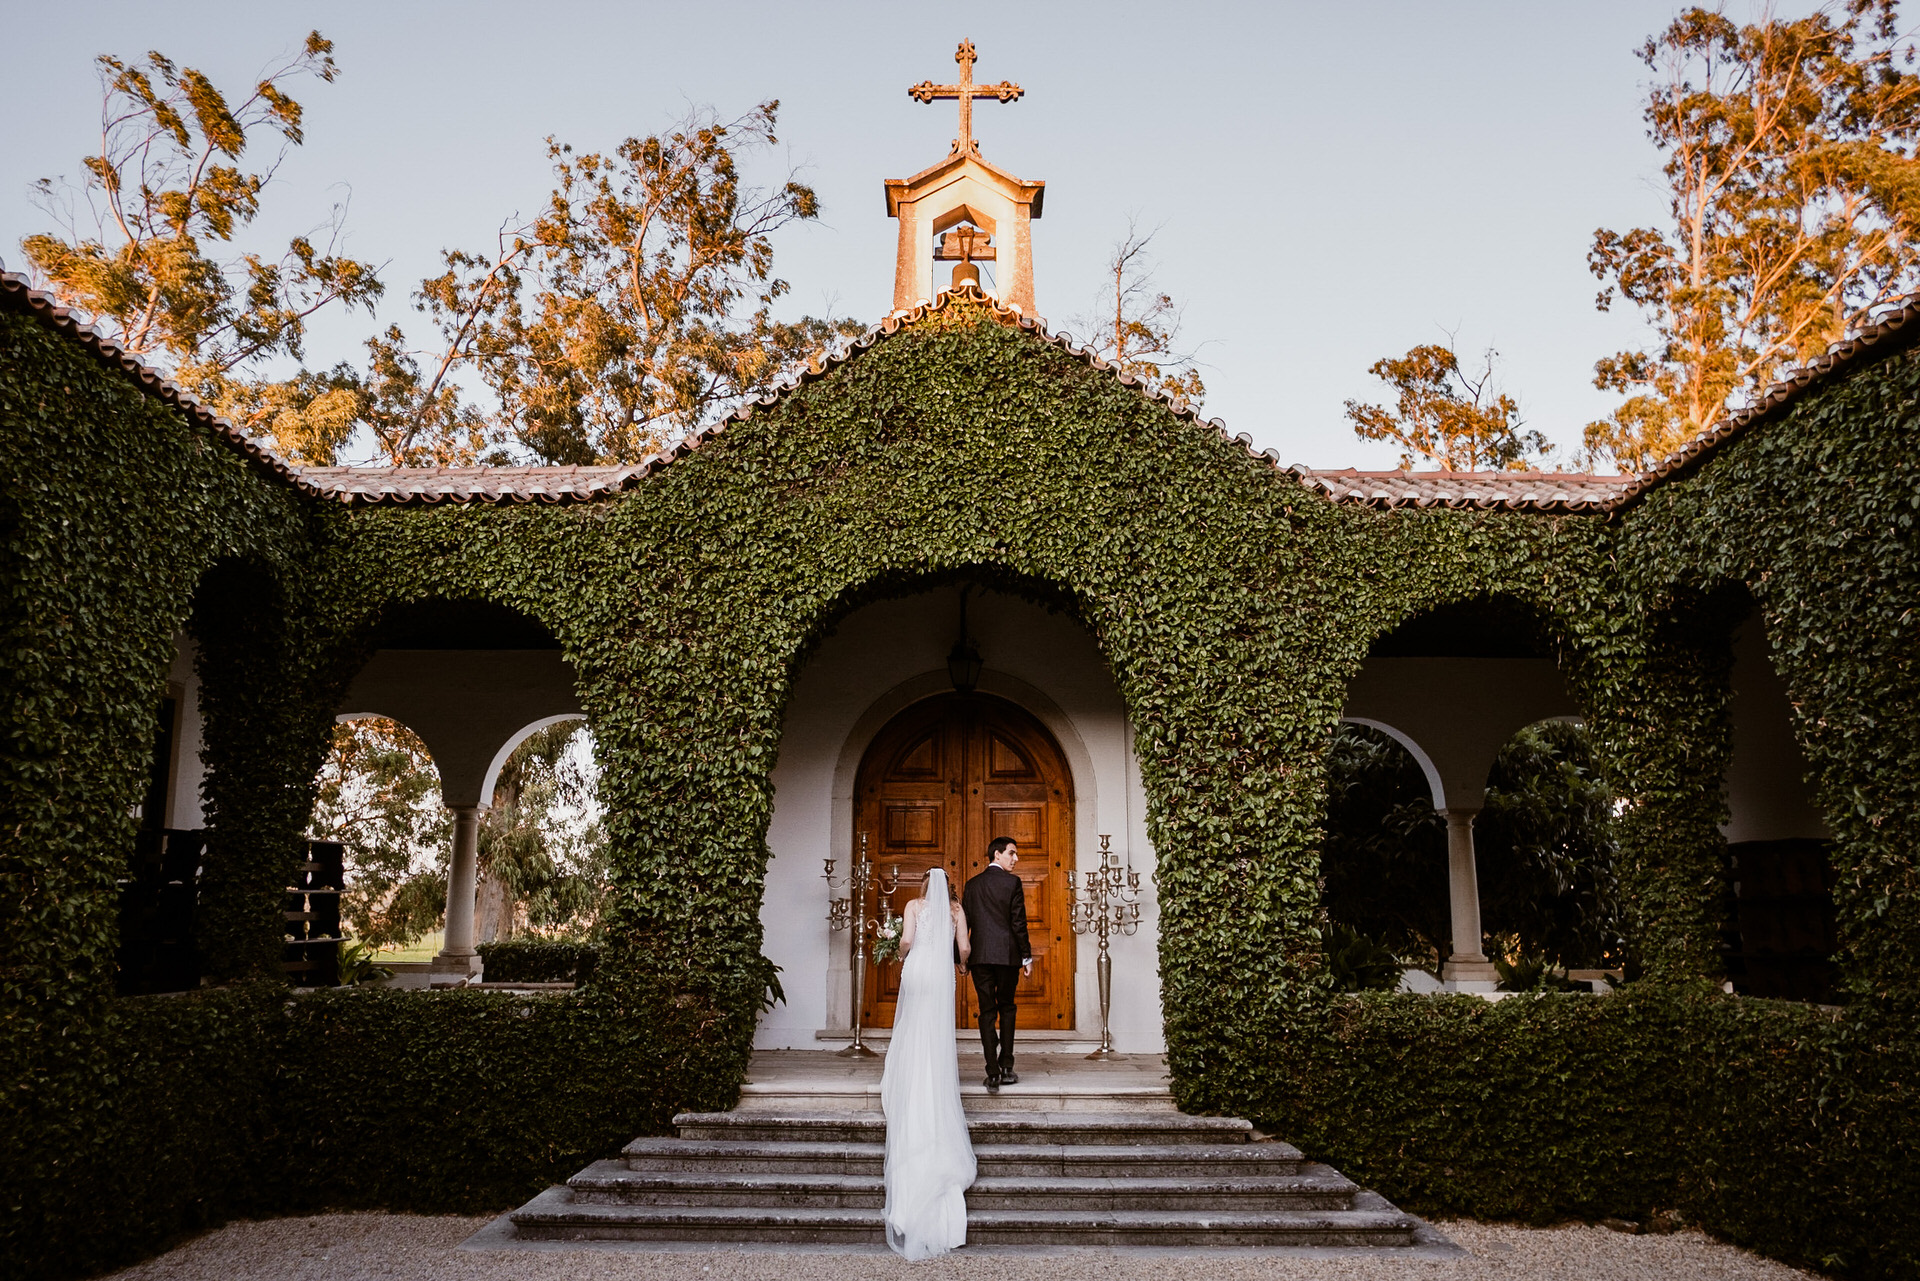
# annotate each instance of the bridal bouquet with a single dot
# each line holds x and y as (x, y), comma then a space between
(886, 938)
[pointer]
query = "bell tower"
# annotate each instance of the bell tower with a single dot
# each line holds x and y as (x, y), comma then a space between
(964, 210)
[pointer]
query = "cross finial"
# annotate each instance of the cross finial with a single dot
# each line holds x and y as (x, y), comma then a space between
(966, 91)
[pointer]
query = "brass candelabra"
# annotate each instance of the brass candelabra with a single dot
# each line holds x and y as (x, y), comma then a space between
(849, 911)
(1106, 901)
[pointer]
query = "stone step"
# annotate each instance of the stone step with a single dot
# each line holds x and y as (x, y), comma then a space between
(1040, 1096)
(1077, 1160)
(1316, 1188)
(555, 1215)
(1103, 1128)
(1046, 1040)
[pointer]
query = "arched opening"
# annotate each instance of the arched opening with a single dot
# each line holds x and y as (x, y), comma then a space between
(541, 862)
(1383, 862)
(378, 796)
(942, 779)
(885, 649)
(1544, 868)
(159, 890)
(1782, 935)
(1441, 695)
(489, 694)
(203, 887)
(542, 859)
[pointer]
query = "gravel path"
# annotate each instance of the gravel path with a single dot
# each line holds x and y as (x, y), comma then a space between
(396, 1247)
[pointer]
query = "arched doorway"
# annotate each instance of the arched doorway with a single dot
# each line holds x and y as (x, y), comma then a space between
(941, 780)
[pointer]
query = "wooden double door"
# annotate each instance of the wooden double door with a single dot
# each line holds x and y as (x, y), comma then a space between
(944, 778)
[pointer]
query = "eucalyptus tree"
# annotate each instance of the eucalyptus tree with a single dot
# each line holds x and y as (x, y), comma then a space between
(1793, 192)
(147, 244)
(639, 304)
(1447, 415)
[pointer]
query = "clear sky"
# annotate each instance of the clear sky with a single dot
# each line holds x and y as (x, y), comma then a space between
(1335, 182)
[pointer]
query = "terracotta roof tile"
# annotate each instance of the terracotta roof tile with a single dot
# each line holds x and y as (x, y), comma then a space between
(368, 486)
(1560, 492)
(1545, 491)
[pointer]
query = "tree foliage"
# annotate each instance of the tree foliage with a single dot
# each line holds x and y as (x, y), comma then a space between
(167, 194)
(543, 860)
(1793, 195)
(1445, 415)
(379, 795)
(1136, 328)
(639, 303)
(1545, 851)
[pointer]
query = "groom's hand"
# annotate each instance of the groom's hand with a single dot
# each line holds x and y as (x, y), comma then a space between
(1026, 966)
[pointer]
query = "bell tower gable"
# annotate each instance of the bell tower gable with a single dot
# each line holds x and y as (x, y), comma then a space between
(964, 209)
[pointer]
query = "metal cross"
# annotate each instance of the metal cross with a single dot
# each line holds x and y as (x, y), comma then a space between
(966, 91)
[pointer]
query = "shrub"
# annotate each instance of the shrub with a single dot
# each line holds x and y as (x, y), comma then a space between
(1780, 1126)
(253, 1101)
(538, 960)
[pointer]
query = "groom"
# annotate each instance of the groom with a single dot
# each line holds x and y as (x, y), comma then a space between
(996, 908)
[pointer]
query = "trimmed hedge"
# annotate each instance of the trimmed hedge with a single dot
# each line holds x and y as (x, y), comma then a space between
(538, 960)
(1782, 1127)
(1755, 1119)
(342, 1098)
(161, 1125)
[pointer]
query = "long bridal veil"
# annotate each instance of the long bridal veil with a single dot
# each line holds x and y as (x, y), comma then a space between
(930, 1162)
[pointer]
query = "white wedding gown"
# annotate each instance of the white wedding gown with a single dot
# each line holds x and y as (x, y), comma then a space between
(930, 1162)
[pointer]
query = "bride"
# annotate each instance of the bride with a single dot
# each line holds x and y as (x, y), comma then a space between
(929, 1156)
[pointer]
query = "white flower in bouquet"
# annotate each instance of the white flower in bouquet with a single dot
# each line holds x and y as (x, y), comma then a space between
(886, 938)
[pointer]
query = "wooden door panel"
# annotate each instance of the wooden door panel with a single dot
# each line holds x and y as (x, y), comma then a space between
(908, 827)
(921, 758)
(940, 782)
(1026, 824)
(1005, 761)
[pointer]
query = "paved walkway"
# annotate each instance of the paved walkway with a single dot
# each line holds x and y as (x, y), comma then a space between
(1034, 1065)
(379, 1247)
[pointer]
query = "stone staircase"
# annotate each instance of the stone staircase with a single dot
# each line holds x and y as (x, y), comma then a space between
(1054, 1170)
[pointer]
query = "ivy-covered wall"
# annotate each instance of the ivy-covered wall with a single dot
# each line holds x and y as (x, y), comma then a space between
(1232, 604)
(1817, 518)
(119, 514)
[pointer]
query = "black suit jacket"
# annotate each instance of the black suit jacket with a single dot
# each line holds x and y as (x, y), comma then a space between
(996, 906)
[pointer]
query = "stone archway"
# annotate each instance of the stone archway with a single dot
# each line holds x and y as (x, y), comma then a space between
(941, 780)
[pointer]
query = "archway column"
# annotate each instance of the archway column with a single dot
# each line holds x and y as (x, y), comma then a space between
(471, 709)
(1467, 969)
(1454, 715)
(456, 954)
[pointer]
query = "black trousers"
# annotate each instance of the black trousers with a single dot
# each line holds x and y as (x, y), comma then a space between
(994, 984)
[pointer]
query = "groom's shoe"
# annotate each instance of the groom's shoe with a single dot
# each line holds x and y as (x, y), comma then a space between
(1009, 1077)
(993, 1084)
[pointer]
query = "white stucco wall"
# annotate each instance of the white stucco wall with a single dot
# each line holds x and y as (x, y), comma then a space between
(1766, 782)
(183, 795)
(881, 659)
(471, 707)
(1455, 714)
